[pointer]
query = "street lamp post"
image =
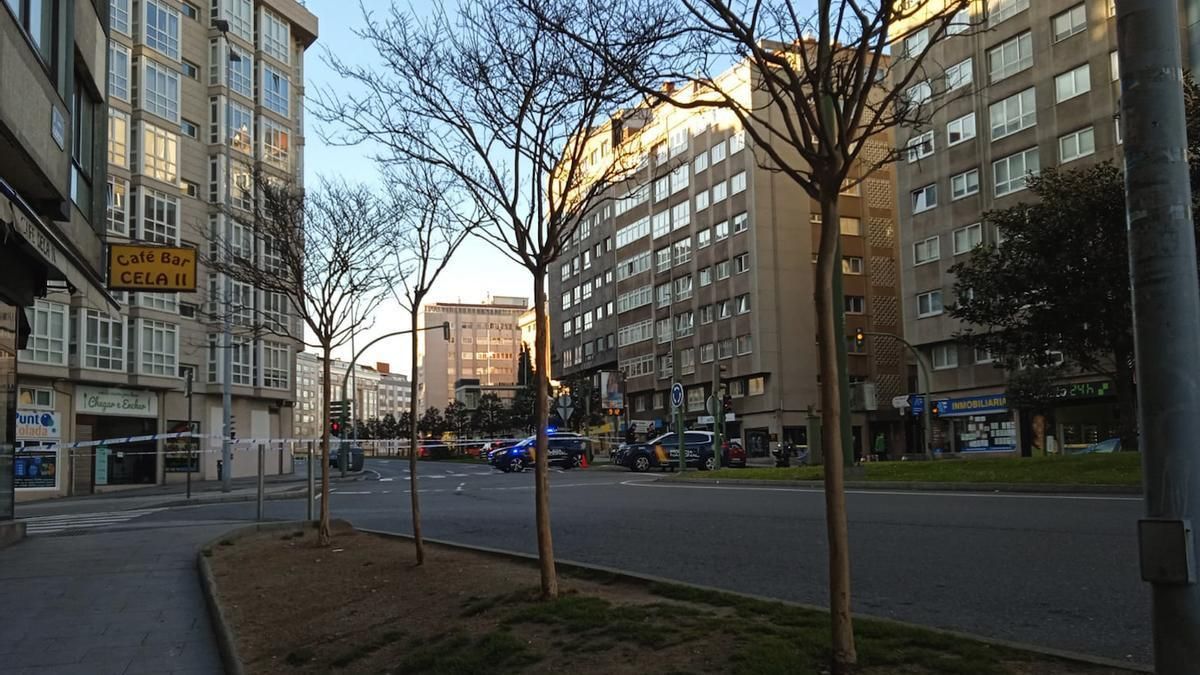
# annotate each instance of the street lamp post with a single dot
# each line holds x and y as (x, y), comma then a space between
(923, 366)
(222, 27)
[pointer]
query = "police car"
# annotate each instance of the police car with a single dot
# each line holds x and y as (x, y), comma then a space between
(663, 452)
(564, 449)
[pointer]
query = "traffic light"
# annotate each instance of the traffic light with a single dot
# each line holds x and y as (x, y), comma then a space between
(936, 408)
(727, 403)
(446, 331)
(335, 427)
(859, 337)
(232, 427)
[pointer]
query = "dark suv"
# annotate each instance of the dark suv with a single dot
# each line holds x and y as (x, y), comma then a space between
(663, 452)
(566, 450)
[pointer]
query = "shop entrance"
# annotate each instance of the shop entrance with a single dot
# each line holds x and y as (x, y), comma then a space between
(126, 463)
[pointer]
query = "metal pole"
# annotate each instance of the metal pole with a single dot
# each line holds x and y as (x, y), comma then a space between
(187, 384)
(227, 292)
(309, 510)
(675, 379)
(262, 459)
(843, 370)
(716, 409)
(1166, 309)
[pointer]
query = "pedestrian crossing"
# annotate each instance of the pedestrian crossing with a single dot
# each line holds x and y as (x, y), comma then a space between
(81, 521)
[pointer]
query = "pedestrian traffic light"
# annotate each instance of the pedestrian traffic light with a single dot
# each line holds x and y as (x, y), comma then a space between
(727, 403)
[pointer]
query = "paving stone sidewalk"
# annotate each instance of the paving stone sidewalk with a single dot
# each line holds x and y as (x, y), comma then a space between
(108, 603)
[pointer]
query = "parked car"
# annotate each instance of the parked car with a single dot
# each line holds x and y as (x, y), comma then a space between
(732, 453)
(485, 453)
(432, 449)
(356, 457)
(1103, 447)
(564, 449)
(663, 452)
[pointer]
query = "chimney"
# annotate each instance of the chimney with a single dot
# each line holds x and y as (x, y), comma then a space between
(383, 368)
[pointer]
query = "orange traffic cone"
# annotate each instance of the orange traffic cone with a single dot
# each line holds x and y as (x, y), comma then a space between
(584, 463)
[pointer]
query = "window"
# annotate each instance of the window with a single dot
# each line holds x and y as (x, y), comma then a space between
(681, 215)
(1117, 132)
(662, 328)
(1070, 22)
(915, 43)
(189, 128)
(737, 142)
(587, 260)
(240, 127)
(632, 266)
(191, 70)
(725, 350)
(634, 333)
(160, 154)
(929, 303)
(683, 251)
(717, 153)
(703, 238)
(708, 352)
(1000, 10)
(83, 132)
(945, 357)
(635, 298)
(924, 198)
(118, 15)
(1009, 173)
(742, 303)
(926, 250)
(721, 229)
(680, 178)
(852, 264)
(918, 93)
(700, 164)
(159, 348)
(35, 397)
(159, 217)
(958, 75)
(118, 70)
(744, 346)
(705, 276)
(960, 23)
(737, 183)
(1011, 57)
(1072, 83)
(920, 147)
(638, 367)
(683, 288)
(190, 11)
(679, 140)
(964, 184)
(662, 223)
(241, 193)
(274, 35)
(983, 355)
(960, 129)
(118, 207)
(741, 263)
(103, 341)
(854, 304)
(160, 90)
(118, 138)
(48, 333)
(723, 270)
(243, 361)
(275, 87)
(741, 222)
(662, 259)
(241, 72)
(275, 370)
(683, 324)
(1013, 114)
(967, 238)
(701, 200)
(850, 225)
(719, 192)
(161, 28)
(706, 314)
(1075, 145)
(662, 189)
(724, 309)
(1114, 65)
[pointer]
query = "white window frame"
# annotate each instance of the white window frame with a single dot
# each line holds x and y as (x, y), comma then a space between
(965, 128)
(737, 183)
(119, 64)
(159, 153)
(276, 365)
(960, 74)
(151, 360)
(944, 356)
(104, 347)
(916, 42)
(919, 147)
(118, 16)
(1013, 182)
(50, 331)
(1071, 22)
(150, 226)
(161, 36)
(276, 99)
(964, 184)
(1075, 82)
(158, 91)
(930, 299)
(924, 198)
(1019, 112)
(275, 36)
(966, 238)
(1002, 10)
(1077, 144)
(927, 245)
(1010, 57)
(118, 138)
(117, 201)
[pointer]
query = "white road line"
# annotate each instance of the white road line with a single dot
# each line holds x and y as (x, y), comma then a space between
(355, 492)
(386, 480)
(904, 493)
(59, 523)
(377, 476)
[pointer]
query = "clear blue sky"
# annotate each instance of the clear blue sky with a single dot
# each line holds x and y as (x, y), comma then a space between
(477, 270)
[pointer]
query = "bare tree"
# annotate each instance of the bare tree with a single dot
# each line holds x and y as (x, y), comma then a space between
(325, 253)
(825, 92)
(513, 111)
(435, 225)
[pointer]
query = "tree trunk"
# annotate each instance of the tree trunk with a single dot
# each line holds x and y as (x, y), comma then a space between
(323, 533)
(540, 417)
(1126, 396)
(844, 654)
(418, 542)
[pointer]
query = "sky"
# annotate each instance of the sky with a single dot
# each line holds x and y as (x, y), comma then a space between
(476, 272)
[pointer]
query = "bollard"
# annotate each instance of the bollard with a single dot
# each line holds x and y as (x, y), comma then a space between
(309, 461)
(262, 450)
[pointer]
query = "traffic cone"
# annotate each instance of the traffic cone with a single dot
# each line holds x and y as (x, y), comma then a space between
(583, 457)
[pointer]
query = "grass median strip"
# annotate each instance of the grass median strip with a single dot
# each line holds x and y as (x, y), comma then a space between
(361, 607)
(1114, 469)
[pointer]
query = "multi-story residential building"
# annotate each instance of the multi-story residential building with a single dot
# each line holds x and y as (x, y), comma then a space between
(365, 383)
(485, 343)
(395, 391)
(705, 256)
(306, 419)
(52, 132)
(178, 101)
(1020, 86)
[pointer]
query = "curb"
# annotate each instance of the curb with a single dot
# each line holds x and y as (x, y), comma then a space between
(290, 493)
(641, 579)
(924, 486)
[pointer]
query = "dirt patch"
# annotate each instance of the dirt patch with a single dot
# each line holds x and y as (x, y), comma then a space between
(360, 606)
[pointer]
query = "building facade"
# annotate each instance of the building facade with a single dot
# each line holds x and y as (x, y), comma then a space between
(52, 145)
(395, 392)
(706, 257)
(176, 103)
(1025, 85)
(485, 343)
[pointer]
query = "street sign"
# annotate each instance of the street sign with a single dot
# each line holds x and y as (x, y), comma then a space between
(705, 419)
(712, 405)
(917, 403)
(900, 402)
(677, 395)
(564, 412)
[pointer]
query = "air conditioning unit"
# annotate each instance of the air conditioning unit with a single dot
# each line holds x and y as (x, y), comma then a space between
(862, 397)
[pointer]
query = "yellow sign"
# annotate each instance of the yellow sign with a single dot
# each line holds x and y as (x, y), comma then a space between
(142, 267)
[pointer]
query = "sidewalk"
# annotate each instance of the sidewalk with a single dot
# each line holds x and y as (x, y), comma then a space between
(110, 602)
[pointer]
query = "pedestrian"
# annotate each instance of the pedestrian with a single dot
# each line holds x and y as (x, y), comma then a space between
(880, 447)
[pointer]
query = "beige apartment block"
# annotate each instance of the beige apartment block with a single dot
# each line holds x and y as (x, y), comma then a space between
(177, 102)
(705, 256)
(485, 344)
(1018, 86)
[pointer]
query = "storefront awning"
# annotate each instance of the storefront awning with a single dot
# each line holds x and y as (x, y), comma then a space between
(62, 263)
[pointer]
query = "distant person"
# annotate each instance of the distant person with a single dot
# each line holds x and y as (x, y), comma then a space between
(880, 447)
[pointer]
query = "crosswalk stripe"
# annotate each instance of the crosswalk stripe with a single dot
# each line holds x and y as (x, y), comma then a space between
(59, 523)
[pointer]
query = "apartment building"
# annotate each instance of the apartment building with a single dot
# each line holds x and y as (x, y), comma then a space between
(395, 391)
(52, 133)
(1022, 86)
(485, 344)
(177, 101)
(705, 256)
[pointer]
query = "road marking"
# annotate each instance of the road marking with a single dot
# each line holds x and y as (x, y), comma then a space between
(905, 493)
(356, 492)
(386, 480)
(377, 476)
(81, 521)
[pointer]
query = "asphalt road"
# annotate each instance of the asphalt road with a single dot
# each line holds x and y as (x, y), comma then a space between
(1053, 570)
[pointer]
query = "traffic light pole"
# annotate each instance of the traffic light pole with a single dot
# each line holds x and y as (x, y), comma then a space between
(923, 366)
(1166, 323)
